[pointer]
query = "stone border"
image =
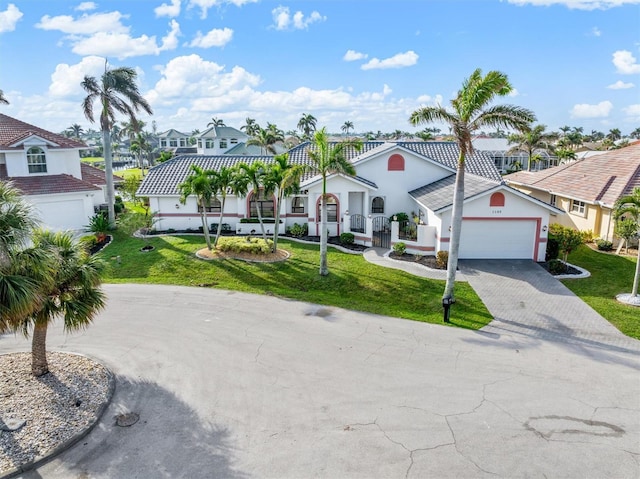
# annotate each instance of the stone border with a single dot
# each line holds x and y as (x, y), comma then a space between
(288, 255)
(628, 299)
(39, 461)
(583, 273)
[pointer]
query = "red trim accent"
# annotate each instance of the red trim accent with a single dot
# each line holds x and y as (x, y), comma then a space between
(497, 199)
(395, 163)
(362, 238)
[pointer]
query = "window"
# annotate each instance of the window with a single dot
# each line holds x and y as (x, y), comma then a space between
(266, 206)
(183, 142)
(377, 205)
(332, 210)
(209, 143)
(163, 143)
(173, 142)
(223, 143)
(36, 160)
(297, 204)
(234, 141)
(395, 163)
(553, 200)
(497, 199)
(214, 206)
(199, 143)
(577, 207)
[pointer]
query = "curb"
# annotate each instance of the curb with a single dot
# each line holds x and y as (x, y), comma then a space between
(40, 460)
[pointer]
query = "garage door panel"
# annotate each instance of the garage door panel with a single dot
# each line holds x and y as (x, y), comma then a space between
(491, 239)
(63, 215)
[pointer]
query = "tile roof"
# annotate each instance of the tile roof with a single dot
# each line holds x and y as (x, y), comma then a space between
(222, 132)
(50, 184)
(12, 131)
(171, 133)
(439, 194)
(604, 177)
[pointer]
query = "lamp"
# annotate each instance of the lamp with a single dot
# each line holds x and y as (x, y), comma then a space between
(346, 212)
(177, 206)
(449, 228)
(544, 228)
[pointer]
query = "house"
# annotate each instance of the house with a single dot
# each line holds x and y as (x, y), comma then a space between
(217, 140)
(586, 189)
(508, 160)
(175, 141)
(391, 178)
(46, 168)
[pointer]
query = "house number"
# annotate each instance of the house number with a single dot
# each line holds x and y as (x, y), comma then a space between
(496, 212)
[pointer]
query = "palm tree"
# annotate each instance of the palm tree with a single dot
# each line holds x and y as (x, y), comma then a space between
(307, 125)
(266, 140)
(284, 178)
(629, 205)
(73, 293)
(327, 159)
(116, 92)
(635, 134)
(75, 130)
(216, 122)
(199, 183)
(614, 134)
(471, 111)
(565, 155)
(3, 99)
(348, 125)
(223, 180)
(139, 146)
(254, 175)
(250, 127)
(532, 142)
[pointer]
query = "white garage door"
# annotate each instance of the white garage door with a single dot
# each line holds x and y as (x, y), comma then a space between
(63, 215)
(509, 239)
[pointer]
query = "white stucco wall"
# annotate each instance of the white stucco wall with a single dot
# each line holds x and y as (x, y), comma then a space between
(66, 211)
(58, 162)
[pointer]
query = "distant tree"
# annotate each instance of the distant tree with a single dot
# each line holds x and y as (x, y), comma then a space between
(115, 92)
(307, 125)
(614, 134)
(3, 99)
(250, 127)
(348, 125)
(635, 134)
(75, 130)
(165, 156)
(471, 112)
(532, 142)
(596, 135)
(192, 138)
(629, 207)
(216, 122)
(266, 139)
(565, 155)
(199, 183)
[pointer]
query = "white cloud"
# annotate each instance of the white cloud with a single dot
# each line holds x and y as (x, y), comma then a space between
(595, 31)
(399, 60)
(352, 55)
(577, 4)
(9, 18)
(283, 20)
(168, 10)
(633, 112)
(620, 85)
(214, 38)
(514, 93)
(625, 62)
(205, 5)
(65, 80)
(86, 6)
(584, 110)
(86, 24)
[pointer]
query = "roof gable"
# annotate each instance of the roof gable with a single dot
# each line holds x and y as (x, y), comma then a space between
(14, 133)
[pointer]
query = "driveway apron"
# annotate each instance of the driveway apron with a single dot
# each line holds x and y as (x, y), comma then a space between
(525, 299)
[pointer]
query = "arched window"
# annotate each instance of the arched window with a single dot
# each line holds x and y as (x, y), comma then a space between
(377, 205)
(266, 205)
(332, 209)
(497, 199)
(36, 160)
(395, 163)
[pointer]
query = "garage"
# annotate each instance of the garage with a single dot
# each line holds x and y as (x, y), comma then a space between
(66, 214)
(505, 239)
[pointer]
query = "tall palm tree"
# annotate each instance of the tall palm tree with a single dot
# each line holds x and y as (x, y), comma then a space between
(614, 134)
(307, 125)
(565, 155)
(328, 158)
(348, 125)
(635, 134)
(284, 178)
(250, 127)
(3, 99)
(254, 175)
(471, 110)
(216, 122)
(223, 180)
(116, 92)
(629, 205)
(74, 292)
(199, 183)
(75, 130)
(140, 146)
(532, 142)
(266, 140)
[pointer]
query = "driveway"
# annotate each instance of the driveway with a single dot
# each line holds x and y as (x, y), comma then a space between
(235, 385)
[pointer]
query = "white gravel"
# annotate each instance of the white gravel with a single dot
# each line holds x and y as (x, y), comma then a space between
(56, 406)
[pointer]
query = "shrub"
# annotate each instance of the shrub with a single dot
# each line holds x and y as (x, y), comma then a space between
(99, 224)
(399, 248)
(88, 242)
(347, 238)
(557, 267)
(298, 231)
(442, 258)
(568, 238)
(553, 249)
(588, 236)
(604, 245)
(400, 217)
(238, 244)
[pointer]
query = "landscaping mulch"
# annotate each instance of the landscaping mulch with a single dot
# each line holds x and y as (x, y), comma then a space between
(570, 269)
(335, 240)
(429, 261)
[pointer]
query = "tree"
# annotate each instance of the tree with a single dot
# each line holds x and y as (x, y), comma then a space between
(629, 206)
(307, 125)
(614, 134)
(223, 179)
(75, 130)
(565, 155)
(215, 122)
(327, 159)
(199, 183)
(250, 127)
(266, 140)
(165, 156)
(568, 239)
(3, 99)
(254, 174)
(140, 146)
(73, 292)
(115, 92)
(471, 111)
(532, 142)
(284, 178)
(348, 125)
(627, 229)
(634, 134)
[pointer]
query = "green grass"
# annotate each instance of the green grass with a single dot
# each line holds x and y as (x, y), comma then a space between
(92, 159)
(352, 283)
(136, 172)
(610, 276)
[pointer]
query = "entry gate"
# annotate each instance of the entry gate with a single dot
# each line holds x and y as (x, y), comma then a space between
(381, 232)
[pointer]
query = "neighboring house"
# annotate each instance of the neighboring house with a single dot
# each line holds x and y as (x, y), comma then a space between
(586, 189)
(391, 178)
(506, 160)
(177, 142)
(46, 167)
(217, 140)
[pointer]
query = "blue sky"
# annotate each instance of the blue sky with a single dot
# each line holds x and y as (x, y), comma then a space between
(371, 62)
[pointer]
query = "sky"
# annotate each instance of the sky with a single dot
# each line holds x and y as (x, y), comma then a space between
(370, 62)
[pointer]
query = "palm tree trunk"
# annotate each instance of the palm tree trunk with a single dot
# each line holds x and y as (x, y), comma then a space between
(275, 230)
(224, 199)
(205, 227)
(108, 172)
(636, 277)
(39, 365)
(456, 227)
(258, 209)
(324, 267)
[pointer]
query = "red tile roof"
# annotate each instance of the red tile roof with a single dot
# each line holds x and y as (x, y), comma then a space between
(96, 176)
(605, 177)
(51, 184)
(12, 131)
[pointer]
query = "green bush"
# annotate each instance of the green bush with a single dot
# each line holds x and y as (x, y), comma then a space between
(347, 238)
(399, 248)
(237, 244)
(553, 249)
(88, 242)
(588, 236)
(604, 245)
(568, 238)
(442, 258)
(298, 231)
(400, 217)
(99, 224)
(557, 267)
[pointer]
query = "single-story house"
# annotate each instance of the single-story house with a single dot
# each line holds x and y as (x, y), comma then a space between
(586, 189)
(391, 178)
(46, 168)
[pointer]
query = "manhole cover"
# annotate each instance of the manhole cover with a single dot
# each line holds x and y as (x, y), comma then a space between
(126, 420)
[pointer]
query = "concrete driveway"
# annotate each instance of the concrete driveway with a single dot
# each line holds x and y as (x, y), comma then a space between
(242, 386)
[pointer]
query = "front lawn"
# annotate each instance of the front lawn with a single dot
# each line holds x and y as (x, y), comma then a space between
(610, 276)
(352, 283)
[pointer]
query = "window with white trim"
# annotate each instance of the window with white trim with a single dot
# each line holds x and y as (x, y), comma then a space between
(36, 160)
(578, 207)
(223, 143)
(209, 143)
